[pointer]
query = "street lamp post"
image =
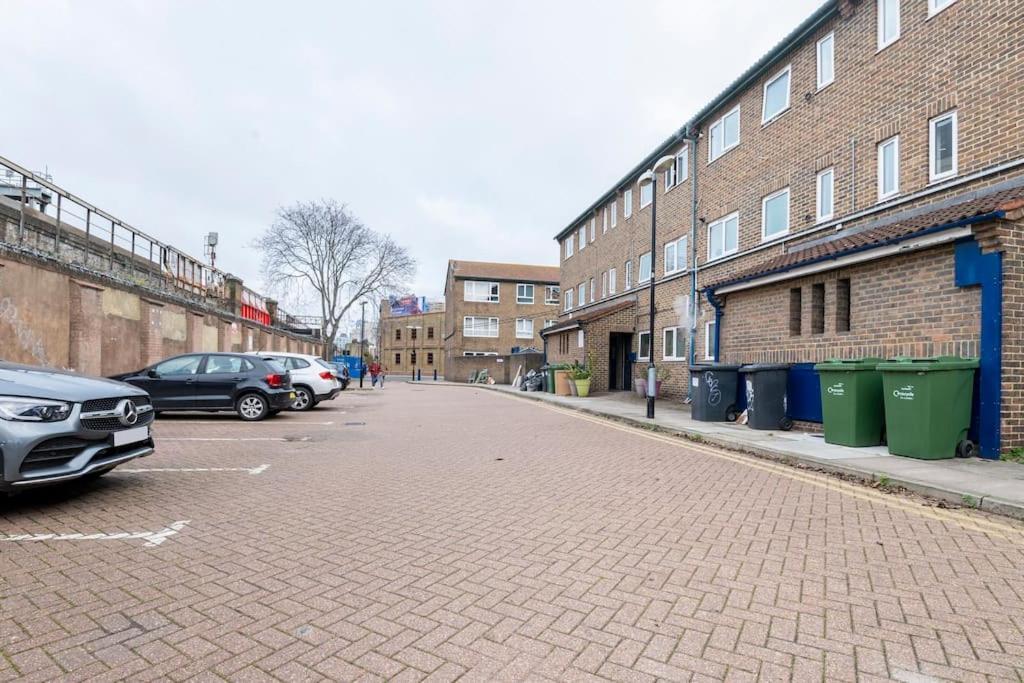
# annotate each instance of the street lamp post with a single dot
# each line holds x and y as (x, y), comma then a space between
(414, 335)
(362, 344)
(651, 177)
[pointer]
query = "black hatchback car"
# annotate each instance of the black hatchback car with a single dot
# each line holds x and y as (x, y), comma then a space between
(248, 385)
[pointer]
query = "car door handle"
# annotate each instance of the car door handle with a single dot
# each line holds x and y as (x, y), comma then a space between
(190, 381)
(237, 379)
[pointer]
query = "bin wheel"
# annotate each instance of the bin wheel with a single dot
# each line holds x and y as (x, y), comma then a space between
(731, 415)
(966, 449)
(785, 424)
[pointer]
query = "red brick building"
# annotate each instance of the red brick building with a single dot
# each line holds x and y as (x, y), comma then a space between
(859, 191)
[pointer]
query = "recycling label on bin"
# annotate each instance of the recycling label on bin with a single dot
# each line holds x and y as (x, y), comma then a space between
(904, 393)
(837, 389)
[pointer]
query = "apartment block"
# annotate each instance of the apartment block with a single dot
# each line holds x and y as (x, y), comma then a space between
(493, 308)
(411, 341)
(859, 192)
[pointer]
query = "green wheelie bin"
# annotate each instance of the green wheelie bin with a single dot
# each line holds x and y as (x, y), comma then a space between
(851, 401)
(928, 406)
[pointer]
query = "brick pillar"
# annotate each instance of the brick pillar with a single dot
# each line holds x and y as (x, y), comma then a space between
(193, 331)
(234, 286)
(86, 329)
(152, 329)
(271, 305)
(223, 335)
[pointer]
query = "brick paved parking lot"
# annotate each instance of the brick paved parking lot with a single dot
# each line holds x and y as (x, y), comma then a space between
(442, 533)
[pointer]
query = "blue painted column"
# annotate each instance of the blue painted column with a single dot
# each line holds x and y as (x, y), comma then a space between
(975, 268)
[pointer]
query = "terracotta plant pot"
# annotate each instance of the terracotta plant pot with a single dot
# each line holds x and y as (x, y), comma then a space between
(640, 385)
(583, 387)
(562, 383)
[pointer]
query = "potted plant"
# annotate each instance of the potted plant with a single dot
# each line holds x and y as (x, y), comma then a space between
(573, 369)
(663, 374)
(582, 377)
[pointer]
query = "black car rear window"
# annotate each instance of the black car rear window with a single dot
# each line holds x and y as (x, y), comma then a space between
(275, 366)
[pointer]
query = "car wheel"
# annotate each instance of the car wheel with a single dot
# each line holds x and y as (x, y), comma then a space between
(304, 399)
(252, 407)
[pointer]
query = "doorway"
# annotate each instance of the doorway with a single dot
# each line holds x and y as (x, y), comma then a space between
(620, 363)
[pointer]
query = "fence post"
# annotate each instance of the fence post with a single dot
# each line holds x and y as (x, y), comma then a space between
(110, 259)
(21, 219)
(56, 235)
(88, 239)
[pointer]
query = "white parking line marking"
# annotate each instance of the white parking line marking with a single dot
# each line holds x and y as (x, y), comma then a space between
(259, 469)
(261, 438)
(152, 538)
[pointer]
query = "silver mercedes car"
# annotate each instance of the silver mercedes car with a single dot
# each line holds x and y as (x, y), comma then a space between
(56, 426)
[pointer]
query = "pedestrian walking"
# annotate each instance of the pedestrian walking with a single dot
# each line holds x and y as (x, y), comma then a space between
(375, 374)
(383, 374)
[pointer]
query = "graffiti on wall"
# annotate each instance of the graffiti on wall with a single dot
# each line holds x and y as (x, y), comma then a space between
(26, 338)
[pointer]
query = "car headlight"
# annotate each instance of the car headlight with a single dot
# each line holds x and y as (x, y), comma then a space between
(33, 409)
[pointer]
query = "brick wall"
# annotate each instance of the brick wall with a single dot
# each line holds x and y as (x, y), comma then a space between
(428, 345)
(502, 368)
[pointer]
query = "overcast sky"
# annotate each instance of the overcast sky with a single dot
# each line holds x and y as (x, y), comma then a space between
(471, 130)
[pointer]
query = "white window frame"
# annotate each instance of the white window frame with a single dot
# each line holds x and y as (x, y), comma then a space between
(615, 212)
(593, 292)
(786, 72)
(481, 283)
(580, 339)
(764, 215)
(627, 202)
(570, 247)
(936, 6)
(675, 344)
(604, 285)
(524, 335)
(830, 172)
(650, 198)
(568, 298)
(879, 20)
(593, 227)
(604, 220)
(831, 40)
(677, 266)
(552, 294)
(581, 293)
(650, 268)
(895, 141)
(679, 171)
(466, 326)
(611, 281)
(549, 323)
(628, 284)
(640, 345)
(723, 221)
(479, 353)
(932, 124)
(521, 287)
(583, 237)
(709, 347)
(721, 122)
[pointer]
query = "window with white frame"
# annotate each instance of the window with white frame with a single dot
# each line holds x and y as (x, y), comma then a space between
(825, 194)
(580, 338)
(524, 328)
(646, 194)
(942, 143)
(551, 293)
(723, 236)
(889, 167)
(479, 353)
(568, 299)
(593, 290)
(679, 170)
(776, 95)
(569, 244)
(888, 22)
(486, 292)
(524, 293)
(611, 281)
(604, 220)
(615, 213)
(604, 284)
(775, 214)
(581, 293)
(593, 227)
(675, 256)
(709, 340)
(725, 134)
(478, 326)
(674, 346)
(549, 323)
(627, 203)
(936, 6)
(583, 237)
(826, 60)
(629, 274)
(643, 343)
(645, 267)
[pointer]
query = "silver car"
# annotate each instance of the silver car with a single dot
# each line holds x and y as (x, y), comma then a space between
(56, 426)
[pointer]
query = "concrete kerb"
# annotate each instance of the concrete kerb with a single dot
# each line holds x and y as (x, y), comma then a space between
(952, 497)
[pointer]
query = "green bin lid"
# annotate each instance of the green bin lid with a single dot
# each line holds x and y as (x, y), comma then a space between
(848, 364)
(934, 364)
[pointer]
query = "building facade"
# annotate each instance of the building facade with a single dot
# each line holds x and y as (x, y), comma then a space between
(856, 192)
(495, 308)
(410, 342)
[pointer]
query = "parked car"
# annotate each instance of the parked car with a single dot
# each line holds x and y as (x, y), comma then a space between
(313, 378)
(57, 426)
(251, 386)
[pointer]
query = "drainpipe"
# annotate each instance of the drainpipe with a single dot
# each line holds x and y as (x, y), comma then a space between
(692, 136)
(719, 307)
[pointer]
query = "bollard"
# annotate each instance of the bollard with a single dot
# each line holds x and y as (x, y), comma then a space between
(435, 374)
(419, 375)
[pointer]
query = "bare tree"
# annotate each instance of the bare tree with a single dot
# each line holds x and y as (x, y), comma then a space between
(320, 246)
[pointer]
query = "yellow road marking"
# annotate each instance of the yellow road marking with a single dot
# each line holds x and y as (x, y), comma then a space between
(986, 526)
